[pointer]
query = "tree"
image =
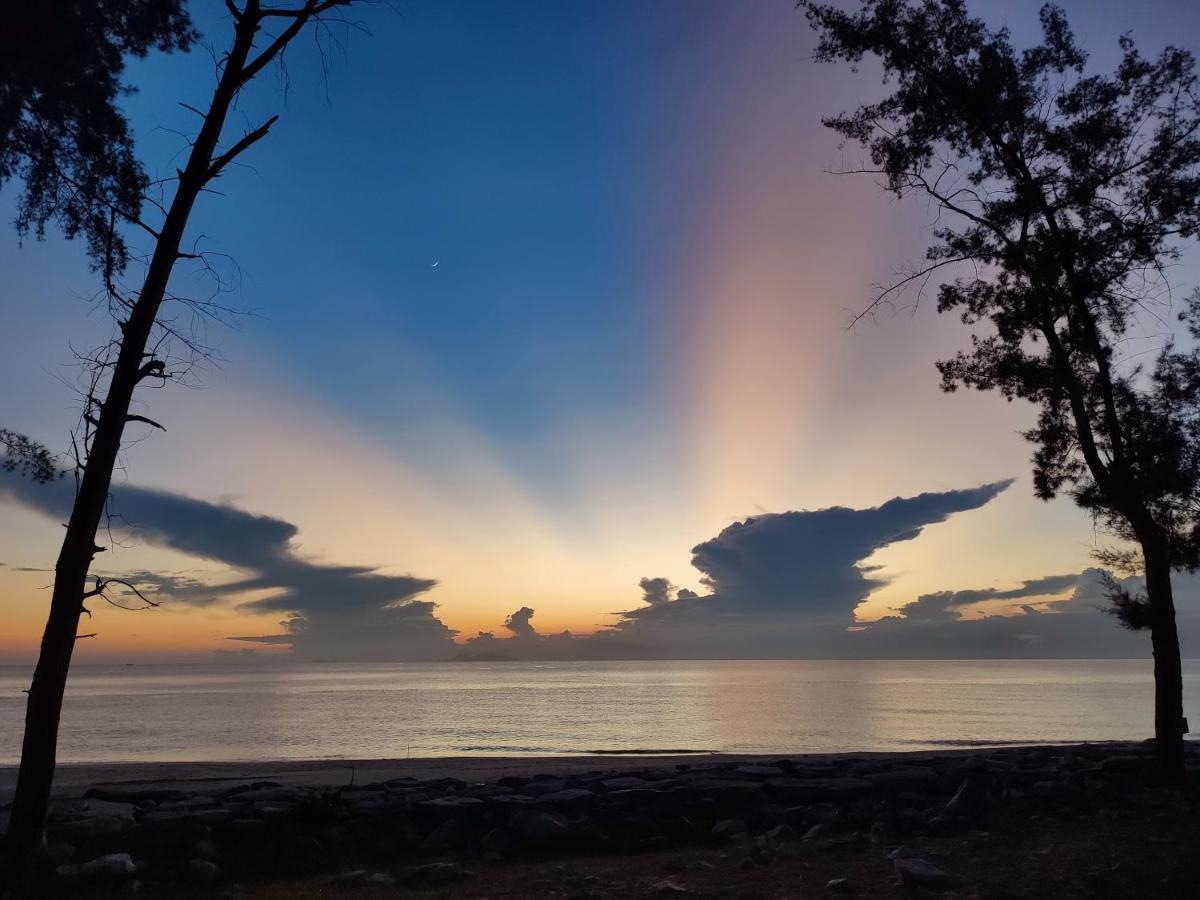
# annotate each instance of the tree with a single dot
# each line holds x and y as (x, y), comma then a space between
(61, 132)
(261, 33)
(27, 457)
(1062, 197)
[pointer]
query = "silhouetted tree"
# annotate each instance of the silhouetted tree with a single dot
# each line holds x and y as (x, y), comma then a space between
(27, 457)
(63, 137)
(61, 133)
(1063, 197)
(261, 32)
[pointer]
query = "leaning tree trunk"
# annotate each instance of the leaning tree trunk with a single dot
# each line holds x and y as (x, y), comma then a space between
(1169, 727)
(38, 750)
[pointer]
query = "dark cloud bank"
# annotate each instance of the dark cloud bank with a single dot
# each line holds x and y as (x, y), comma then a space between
(781, 585)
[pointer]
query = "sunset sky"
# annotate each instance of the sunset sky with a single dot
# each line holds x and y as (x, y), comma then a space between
(542, 296)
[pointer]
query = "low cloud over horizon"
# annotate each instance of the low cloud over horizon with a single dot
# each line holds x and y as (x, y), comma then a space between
(779, 585)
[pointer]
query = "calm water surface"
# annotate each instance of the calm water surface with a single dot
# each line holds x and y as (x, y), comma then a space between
(225, 712)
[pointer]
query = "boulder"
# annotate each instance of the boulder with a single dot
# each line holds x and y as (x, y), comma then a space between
(668, 888)
(111, 866)
(727, 793)
(539, 829)
(571, 798)
(439, 873)
(728, 830)
(758, 773)
(202, 871)
(137, 798)
(906, 778)
(919, 873)
(447, 836)
(816, 790)
(968, 802)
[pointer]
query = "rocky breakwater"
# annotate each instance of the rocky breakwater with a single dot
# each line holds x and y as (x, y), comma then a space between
(441, 831)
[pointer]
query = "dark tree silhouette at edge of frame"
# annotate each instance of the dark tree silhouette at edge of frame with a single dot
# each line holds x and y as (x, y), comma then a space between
(254, 23)
(1061, 197)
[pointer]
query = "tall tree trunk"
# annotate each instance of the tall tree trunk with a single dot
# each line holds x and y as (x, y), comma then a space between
(43, 710)
(1168, 671)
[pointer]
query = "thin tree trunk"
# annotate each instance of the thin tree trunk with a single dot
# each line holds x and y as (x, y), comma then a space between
(1168, 671)
(39, 748)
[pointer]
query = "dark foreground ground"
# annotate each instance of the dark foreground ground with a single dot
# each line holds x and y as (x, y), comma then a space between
(1064, 822)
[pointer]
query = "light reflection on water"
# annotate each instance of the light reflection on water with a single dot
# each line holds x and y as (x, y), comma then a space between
(340, 710)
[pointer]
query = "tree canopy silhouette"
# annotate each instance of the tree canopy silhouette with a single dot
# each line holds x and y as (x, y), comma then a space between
(27, 457)
(1063, 197)
(62, 133)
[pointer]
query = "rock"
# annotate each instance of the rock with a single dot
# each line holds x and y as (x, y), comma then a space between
(539, 786)
(815, 790)
(728, 830)
(439, 873)
(206, 848)
(918, 873)
(814, 832)
(497, 841)
(266, 794)
(623, 784)
(1127, 765)
(187, 819)
(908, 778)
(58, 853)
(247, 830)
(758, 772)
(968, 802)
(668, 888)
(112, 866)
(539, 829)
(777, 840)
(840, 886)
(511, 801)
(446, 836)
(365, 876)
(728, 794)
(107, 808)
(571, 798)
(91, 830)
(202, 871)
(137, 798)
(445, 807)
(66, 877)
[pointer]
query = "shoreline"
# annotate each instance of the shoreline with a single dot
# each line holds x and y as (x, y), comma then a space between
(71, 779)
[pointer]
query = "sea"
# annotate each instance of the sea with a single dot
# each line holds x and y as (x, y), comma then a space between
(352, 711)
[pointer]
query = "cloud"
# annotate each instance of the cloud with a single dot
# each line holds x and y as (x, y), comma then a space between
(333, 611)
(813, 559)
(656, 590)
(951, 603)
(781, 585)
(518, 622)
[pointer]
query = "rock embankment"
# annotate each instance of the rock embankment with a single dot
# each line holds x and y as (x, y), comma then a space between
(436, 832)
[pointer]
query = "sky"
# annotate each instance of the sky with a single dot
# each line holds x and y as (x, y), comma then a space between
(541, 350)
